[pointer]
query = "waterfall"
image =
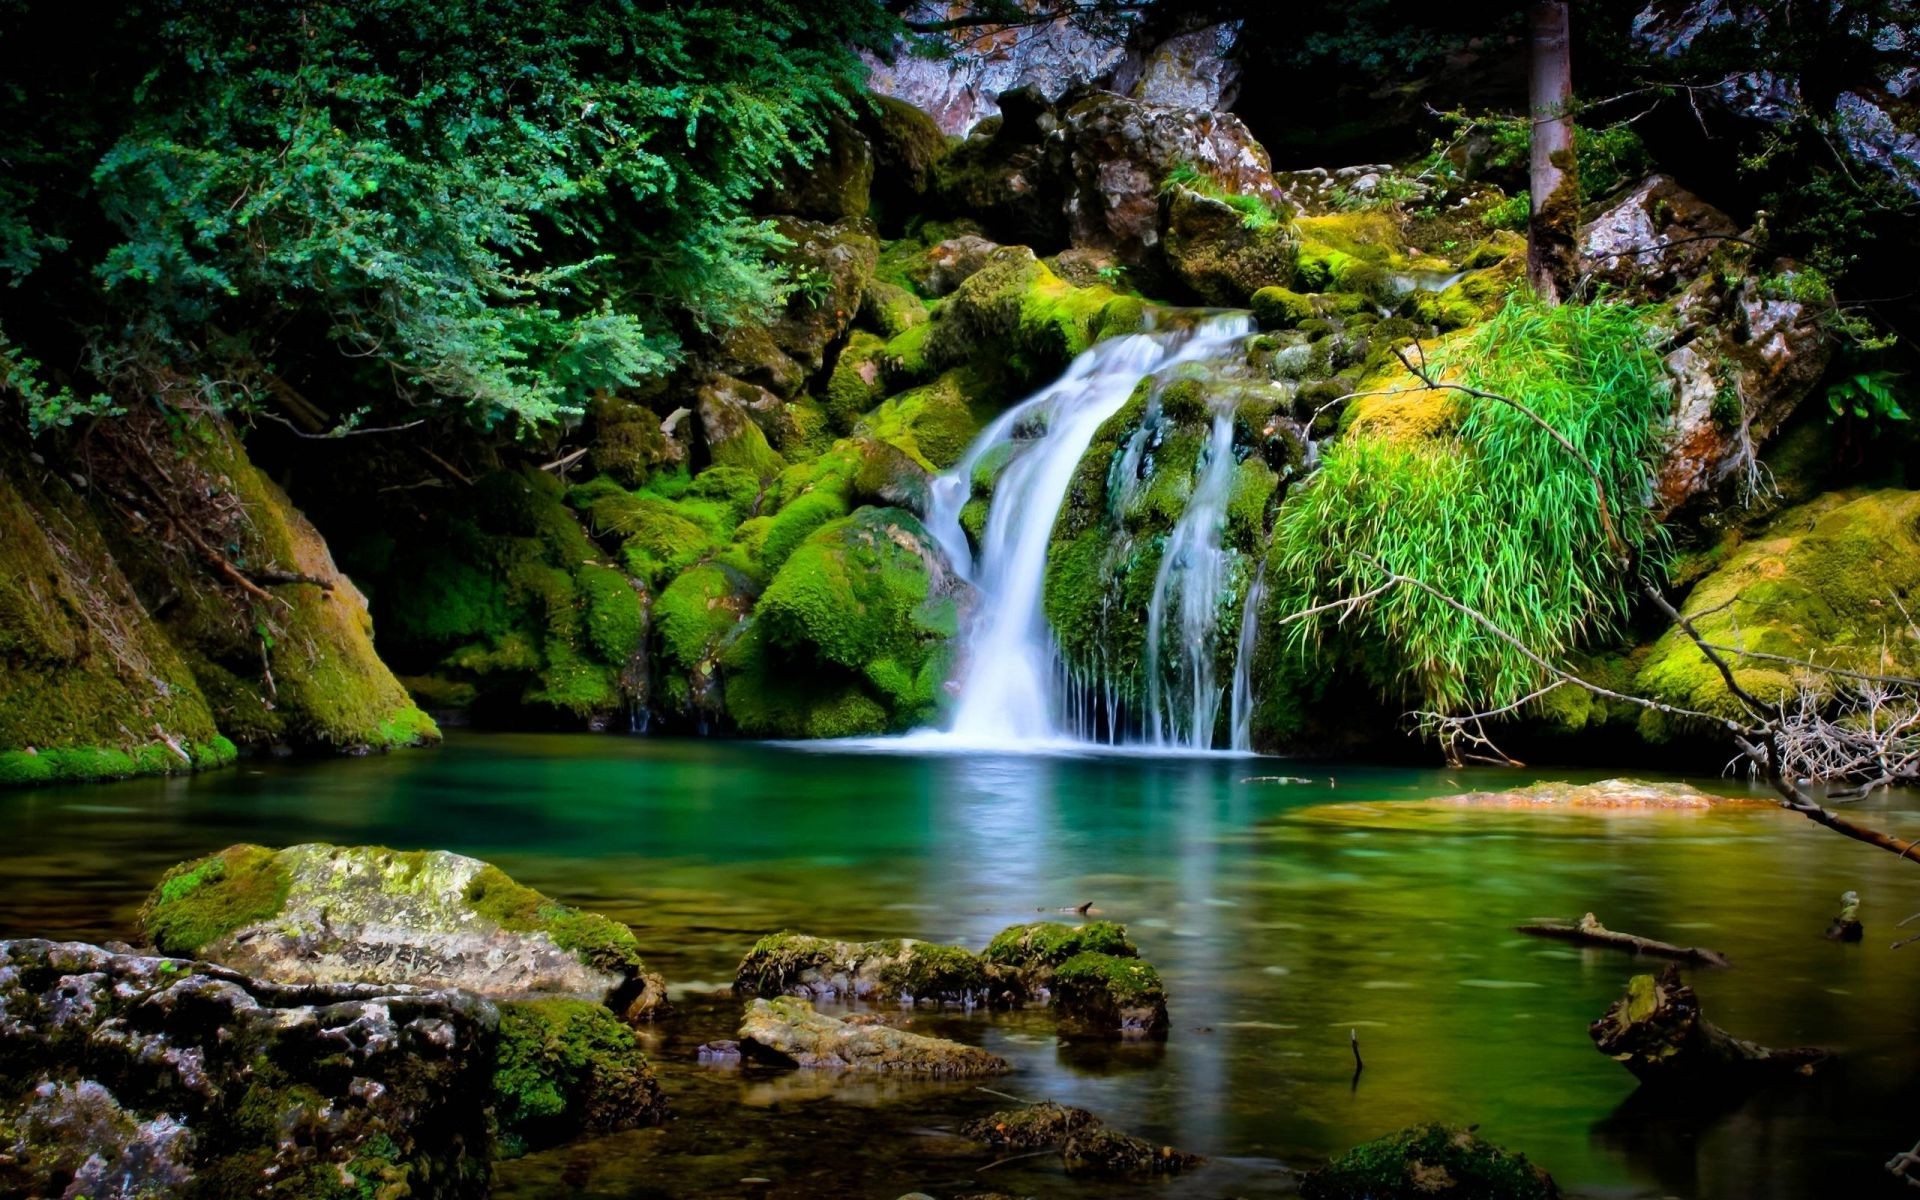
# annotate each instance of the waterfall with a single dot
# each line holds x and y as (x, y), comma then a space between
(1183, 698)
(1012, 674)
(1241, 716)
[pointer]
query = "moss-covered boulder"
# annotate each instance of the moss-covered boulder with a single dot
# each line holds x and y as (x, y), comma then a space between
(1832, 581)
(833, 264)
(365, 914)
(948, 264)
(1014, 311)
(1005, 176)
(853, 635)
(1109, 996)
(889, 309)
(907, 149)
(730, 435)
(1429, 1161)
(1224, 254)
(90, 686)
(135, 1076)
(1033, 951)
(626, 441)
(896, 970)
(566, 1067)
(789, 1033)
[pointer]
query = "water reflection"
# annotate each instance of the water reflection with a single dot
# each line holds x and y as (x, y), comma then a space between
(1280, 925)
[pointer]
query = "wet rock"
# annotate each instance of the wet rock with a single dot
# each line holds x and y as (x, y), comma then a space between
(1631, 795)
(326, 915)
(1223, 254)
(132, 1075)
(1120, 153)
(1429, 1161)
(721, 1053)
(962, 90)
(1014, 308)
(1087, 1146)
(791, 964)
(788, 1032)
(1654, 237)
(833, 263)
(1656, 1031)
(1846, 926)
(1104, 996)
(950, 263)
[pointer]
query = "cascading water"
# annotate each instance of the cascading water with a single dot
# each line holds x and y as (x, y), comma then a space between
(1183, 698)
(1008, 691)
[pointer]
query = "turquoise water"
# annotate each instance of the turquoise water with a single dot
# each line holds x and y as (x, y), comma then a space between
(1281, 925)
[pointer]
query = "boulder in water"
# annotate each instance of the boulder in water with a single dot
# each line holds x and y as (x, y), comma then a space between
(131, 1075)
(793, 964)
(1087, 1146)
(1657, 1032)
(1034, 950)
(1105, 996)
(788, 1032)
(320, 914)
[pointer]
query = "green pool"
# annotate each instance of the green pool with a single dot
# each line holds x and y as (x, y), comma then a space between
(1280, 924)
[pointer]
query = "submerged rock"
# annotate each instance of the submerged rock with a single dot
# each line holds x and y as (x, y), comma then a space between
(792, 964)
(788, 1032)
(320, 914)
(1429, 1161)
(1612, 795)
(1087, 1146)
(129, 1075)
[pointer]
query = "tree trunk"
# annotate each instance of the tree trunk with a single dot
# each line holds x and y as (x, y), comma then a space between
(1554, 224)
(1656, 1031)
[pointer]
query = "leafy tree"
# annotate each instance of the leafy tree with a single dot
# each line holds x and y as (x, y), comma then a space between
(503, 204)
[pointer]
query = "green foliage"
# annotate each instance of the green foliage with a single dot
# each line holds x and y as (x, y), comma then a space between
(1050, 943)
(1257, 214)
(200, 901)
(1871, 396)
(1504, 520)
(511, 204)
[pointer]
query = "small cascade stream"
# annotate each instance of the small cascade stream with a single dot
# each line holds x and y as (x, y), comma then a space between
(1183, 698)
(1009, 690)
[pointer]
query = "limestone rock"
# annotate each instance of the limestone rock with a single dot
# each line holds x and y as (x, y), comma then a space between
(326, 915)
(788, 1032)
(1196, 69)
(961, 91)
(128, 1075)
(1221, 253)
(1655, 237)
(1121, 151)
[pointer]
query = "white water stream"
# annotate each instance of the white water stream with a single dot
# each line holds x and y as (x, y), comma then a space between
(1008, 692)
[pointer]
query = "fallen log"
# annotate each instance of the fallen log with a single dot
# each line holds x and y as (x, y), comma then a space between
(1588, 931)
(1656, 1031)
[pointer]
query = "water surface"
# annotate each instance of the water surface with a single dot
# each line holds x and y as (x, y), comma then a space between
(1280, 925)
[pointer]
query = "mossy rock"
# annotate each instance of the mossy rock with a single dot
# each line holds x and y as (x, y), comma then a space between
(1429, 1161)
(626, 442)
(889, 309)
(1034, 950)
(861, 618)
(1109, 996)
(320, 914)
(567, 1067)
(1831, 582)
(1221, 254)
(898, 970)
(935, 423)
(1017, 312)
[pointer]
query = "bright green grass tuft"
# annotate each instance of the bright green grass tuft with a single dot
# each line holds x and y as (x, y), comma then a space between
(1502, 519)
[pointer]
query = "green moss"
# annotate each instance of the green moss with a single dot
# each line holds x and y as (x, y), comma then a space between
(615, 619)
(1281, 308)
(1050, 943)
(857, 383)
(768, 697)
(598, 941)
(935, 423)
(658, 538)
(1126, 980)
(201, 901)
(1428, 1160)
(1016, 313)
(930, 972)
(564, 1067)
(1830, 581)
(890, 309)
(904, 359)
(696, 615)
